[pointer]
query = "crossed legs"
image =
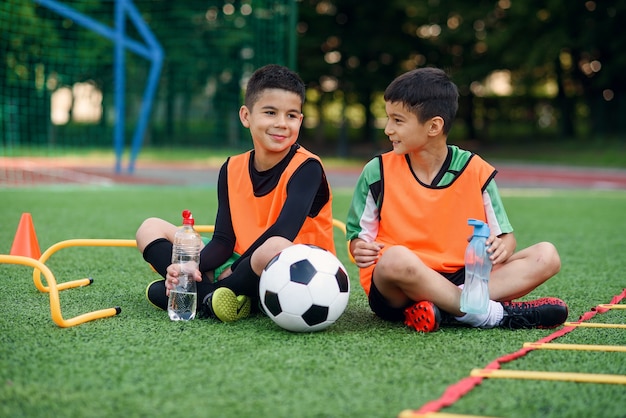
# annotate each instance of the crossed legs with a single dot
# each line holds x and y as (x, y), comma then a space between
(401, 277)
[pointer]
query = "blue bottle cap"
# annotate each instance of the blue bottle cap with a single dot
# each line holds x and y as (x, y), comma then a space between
(481, 229)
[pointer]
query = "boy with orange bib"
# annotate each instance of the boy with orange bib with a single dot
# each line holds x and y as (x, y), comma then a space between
(408, 228)
(268, 199)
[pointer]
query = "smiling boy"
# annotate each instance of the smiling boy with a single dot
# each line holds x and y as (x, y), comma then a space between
(407, 223)
(269, 198)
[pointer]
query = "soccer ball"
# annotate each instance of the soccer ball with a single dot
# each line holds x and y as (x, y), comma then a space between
(304, 288)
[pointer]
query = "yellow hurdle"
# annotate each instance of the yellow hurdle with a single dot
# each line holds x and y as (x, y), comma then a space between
(204, 228)
(580, 347)
(612, 306)
(593, 325)
(341, 226)
(95, 242)
(535, 375)
(53, 290)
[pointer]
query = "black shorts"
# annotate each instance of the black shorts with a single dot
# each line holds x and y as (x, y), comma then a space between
(381, 307)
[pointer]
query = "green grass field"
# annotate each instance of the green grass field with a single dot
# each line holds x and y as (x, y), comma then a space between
(140, 364)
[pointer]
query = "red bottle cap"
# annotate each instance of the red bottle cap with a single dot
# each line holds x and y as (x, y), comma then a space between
(187, 217)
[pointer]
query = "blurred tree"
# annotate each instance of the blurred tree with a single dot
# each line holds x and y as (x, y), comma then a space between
(211, 46)
(576, 44)
(36, 59)
(455, 33)
(569, 53)
(361, 46)
(202, 41)
(352, 47)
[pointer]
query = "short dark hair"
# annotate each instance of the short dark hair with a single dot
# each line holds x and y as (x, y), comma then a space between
(426, 92)
(273, 76)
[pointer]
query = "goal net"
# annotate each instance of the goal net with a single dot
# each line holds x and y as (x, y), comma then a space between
(60, 96)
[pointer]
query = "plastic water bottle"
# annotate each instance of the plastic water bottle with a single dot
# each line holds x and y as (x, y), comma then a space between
(183, 300)
(475, 293)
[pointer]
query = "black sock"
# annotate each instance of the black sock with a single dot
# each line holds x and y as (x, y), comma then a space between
(159, 254)
(243, 280)
(204, 288)
(156, 294)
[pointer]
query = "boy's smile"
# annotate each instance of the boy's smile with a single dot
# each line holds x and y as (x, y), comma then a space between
(274, 123)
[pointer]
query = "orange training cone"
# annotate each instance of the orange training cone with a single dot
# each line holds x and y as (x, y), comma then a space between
(25, 242)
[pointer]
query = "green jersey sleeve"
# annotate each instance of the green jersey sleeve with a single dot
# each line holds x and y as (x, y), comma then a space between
(362, 221)
(497, 218)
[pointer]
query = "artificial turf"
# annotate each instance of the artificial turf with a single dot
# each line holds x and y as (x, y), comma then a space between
(140, 364)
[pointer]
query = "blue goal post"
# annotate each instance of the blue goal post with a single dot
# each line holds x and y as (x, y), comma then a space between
(150, 49)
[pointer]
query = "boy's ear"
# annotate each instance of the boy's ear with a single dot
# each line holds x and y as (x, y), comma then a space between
(436, 125)
(244, 114)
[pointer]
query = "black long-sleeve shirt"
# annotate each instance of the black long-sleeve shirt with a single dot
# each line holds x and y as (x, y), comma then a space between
(302, 200)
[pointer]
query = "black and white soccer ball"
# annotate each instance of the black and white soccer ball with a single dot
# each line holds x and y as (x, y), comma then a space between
(304, 288)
